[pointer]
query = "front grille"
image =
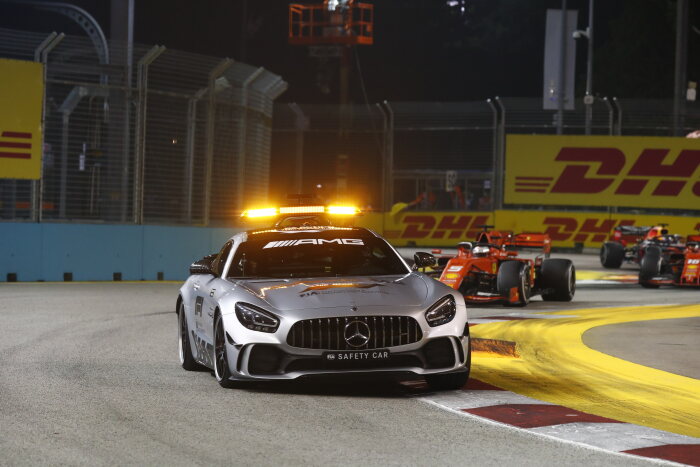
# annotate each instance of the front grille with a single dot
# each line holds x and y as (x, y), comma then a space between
(329, 333)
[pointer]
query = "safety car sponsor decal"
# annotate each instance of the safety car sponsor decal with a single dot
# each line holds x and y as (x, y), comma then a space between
(314, 241)
(205, 350)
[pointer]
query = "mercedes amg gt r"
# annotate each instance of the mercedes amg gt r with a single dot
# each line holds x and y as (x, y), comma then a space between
(312, 296)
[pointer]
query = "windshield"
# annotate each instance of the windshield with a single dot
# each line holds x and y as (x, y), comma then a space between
(315, 254)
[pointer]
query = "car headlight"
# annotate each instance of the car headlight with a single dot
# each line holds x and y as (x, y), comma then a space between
(256, 318)
(442, 312)
(480, 250)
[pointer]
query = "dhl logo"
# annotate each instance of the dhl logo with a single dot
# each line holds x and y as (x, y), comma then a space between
(592, 229)
(448, 226)
(607, 165)
(10, 148)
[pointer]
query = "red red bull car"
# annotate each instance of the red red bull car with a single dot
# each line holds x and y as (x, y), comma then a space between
(489, 270)
(663, 267)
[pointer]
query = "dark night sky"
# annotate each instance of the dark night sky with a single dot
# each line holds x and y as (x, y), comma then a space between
(424, 49)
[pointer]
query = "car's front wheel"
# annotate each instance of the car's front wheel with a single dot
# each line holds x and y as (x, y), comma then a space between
(650, 267)
(611, 255)
(449, 381)
(514, 274)
(559, 279)
(186, 359)
(222, 371)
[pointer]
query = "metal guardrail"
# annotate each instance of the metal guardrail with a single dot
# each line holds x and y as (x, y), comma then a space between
(177, 138)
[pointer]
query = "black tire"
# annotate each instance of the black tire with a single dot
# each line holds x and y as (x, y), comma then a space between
(451, 381)
(222, 372)
(558, 280)
(468, 286)
(611, 255)
(186, 359)
(650, 267)
(514, 274)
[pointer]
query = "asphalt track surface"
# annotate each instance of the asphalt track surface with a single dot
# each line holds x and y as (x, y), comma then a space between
(89, 375)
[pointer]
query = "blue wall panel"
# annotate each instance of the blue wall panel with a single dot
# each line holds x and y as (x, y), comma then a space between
(95, 252)
(21, 250)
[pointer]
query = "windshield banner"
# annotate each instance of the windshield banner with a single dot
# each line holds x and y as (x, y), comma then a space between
(622, 171)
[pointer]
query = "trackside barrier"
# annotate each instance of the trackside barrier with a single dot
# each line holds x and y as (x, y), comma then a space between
(54, 252)
(566, 229)
(82, 252)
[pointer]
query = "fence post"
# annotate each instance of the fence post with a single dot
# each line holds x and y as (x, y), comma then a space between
(301, 124)
(494, 155)
(242, 134)
(619, 116)
(41, 54)
(614, 116)
(385, 126)
(389, 159)
(214, 74)
(611, 116)
(140, 156)
(191, 135)
(499, 157)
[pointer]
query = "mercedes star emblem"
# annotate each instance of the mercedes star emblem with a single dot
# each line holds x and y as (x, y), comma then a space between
(356, 333)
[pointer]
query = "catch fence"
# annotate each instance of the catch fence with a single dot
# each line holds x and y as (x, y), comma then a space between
(436, 155)
(182, 138)
(175, 138)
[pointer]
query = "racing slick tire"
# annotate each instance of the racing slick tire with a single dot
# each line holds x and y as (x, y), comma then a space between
(650, 267)
(186, 359)
(450, 381)
(222, 372)
(558, 279)
(514, 274)
(611, 255)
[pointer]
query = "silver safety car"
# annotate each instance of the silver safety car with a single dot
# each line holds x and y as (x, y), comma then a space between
(307, 296)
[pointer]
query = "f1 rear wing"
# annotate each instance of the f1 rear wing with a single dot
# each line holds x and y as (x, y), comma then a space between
(531, 240)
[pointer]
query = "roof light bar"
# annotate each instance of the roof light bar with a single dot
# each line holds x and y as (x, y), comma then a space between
(318, 209)
(264, 212)
(301, 209)
(342, 210)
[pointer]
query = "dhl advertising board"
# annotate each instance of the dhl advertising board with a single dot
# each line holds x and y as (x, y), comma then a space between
(408, 228)
(566, 229)
(590, 229)
(625, 171)
(21, 101)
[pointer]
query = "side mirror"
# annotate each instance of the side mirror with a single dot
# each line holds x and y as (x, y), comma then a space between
(423, 260)
(203, 266)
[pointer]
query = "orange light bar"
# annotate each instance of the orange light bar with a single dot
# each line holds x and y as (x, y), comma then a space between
(264, 212)
(342, 210)
(301, 209)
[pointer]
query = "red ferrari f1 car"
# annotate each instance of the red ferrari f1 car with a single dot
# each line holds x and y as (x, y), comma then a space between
(490, 270)
(661, 266)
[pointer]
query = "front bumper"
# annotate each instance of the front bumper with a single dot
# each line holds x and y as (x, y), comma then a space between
(444, 354)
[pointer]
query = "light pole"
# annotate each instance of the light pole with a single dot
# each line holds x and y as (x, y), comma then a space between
(588, 99)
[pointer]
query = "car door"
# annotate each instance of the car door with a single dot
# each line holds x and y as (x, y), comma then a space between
(210, 291)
